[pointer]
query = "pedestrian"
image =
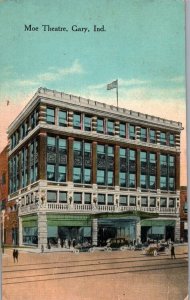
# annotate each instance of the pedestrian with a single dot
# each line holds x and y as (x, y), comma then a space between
(69, 243)
(172, 252)
(74, 243)
(14, 255)
(42, 248)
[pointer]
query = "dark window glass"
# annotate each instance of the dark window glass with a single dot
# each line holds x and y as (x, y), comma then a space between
(122, 130)
(171, 202)
(62, 118)
(62, 174)
(163, 182)
(132, 180)
(77, 121)
(87, 123)
(77, 175)
(101, 177)
(122, 179)
(132, 201)
(51, 172)
(171, 183)
(163, 202)
(144, 201)
(110, 199)
(162, 138)
(152, 182)
(110, 178)
(50, 115)
(51, 196)
(123, 200)
(110, 127)
(87, 198)
(172, 139)
(152, 202)
(143, 156)
(101, 199)
(143, 134)
(62, 197)
(87, 175)
(100, 125)
(78, 198)
(152, 136)
(143, 182)
(132, 132)
(152, 158)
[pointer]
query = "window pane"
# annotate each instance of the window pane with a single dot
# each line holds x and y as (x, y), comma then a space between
(51, 196)
(62, 174)
(172, 139)
(110, 177)
(77, 121)
(162, 138)
(171, 161)
(87, 147)
(122, 152)
(123, 200)
(51, 141)
(110, 199)
(132, 154)
(110, 151)
(78, 198)
(100, 149)
(50, 116)
(62, 143)
(152, 182)
(132, 201)
(51, 172)
(163, 202)
(171, 183)
(100, 125)
(163, 159)
(87, 198)
(101, 199)
(62, 118)
(132, 180)
(143, 156)
(100, 177)
(152, 158)
(87, 175)
(143, 134)
(144, 201)
(132, 132)
(163, 182)
(63, 197)
(152, 202)
(172, 202)
(122, 130)
(110, 127)
(77, 175)
(143, 181)
(77, 146)
(87, 123)
(122, 179)
(152, 136)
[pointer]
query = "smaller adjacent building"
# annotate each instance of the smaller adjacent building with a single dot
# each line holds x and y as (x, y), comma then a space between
(183, 214)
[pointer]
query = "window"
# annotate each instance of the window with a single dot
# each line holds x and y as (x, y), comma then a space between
(51, 196)
(123, 200)
(101, 177)
(110, 178)
(152, 136)
(77, 121)
(143, 182)
(122, 130)
(132, 201)
(122, 179)
(62, 144)
(172, 140)
(110, 199)
(152, 202)
(87, 198)
(162, 138)
(163, 202)
(132, 132)
(152, 182)
(62, 174)
(143, 156)
(77, 198)
(77, 175)
(110, 151)
(152, 158)
(51, 141)
(87, 123)
(144, 201)
(62, 118)
(100, 149)
(132, 155)
(50, 115)
(163, 182)
(163, 160)
(122, 152)
(171, 183)
(132, 180)
(51, 172)
(185, 207)
(101, 199)
(87, 175)
(62, 197)
(171, 161)
(87, 147)
(171, 202)
(143, 134)
(110, 127)
(100, 125)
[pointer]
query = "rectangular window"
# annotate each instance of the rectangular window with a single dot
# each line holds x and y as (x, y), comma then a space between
(132, 132)
(122, 152)
(152, 182)
(62, 174)
(62, 197)
(100, 125)
(143, 134)
(77, 198)
(77, 147)
(143, 182)
(77, 175)
(50, 115)
(101, 177)
(100, 149)
(171, 202)
(110, 127)
(87, 176)
(152, 202)
(152, 136)
(51, 141)
(87, 198)
(122, 179)
(172, 140)
(163, 183)
(163, 160)
(62, 118)
(110, 178)
(87, 147)
(122, 130)
(110, 151)
(132, 155)
(171, 161)
(62, 144)
(77, 121)
(123, 200)
(87, 123)
(162, 138)
(51, 196)
(110, 199)
(51, 172)
(171, 183)
(132, 201)
(101, 199)
(132, 180)
(144, 201)
(163, 202)
(152, 158)
(143, 156)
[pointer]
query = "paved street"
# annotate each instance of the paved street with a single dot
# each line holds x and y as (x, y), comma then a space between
(99, 275)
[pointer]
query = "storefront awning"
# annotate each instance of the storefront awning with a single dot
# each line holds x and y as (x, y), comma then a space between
(158, 223)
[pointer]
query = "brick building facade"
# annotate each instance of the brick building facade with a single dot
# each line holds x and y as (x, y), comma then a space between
(80, 169)
(183, 213)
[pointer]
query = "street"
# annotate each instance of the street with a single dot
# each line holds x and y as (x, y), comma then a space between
(99, 275)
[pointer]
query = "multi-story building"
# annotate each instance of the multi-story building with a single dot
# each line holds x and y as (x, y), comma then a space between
(183, 213)
(81, 169)
(9, 213)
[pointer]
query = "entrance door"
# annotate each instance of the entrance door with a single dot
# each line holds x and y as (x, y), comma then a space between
(170, 233)
(144, 232)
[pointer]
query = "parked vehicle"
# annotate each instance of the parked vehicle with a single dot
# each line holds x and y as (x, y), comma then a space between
(154, 249)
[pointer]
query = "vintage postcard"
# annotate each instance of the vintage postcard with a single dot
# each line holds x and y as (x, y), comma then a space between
(93, 181)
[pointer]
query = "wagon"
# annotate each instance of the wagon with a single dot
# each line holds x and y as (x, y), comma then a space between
(156, 249)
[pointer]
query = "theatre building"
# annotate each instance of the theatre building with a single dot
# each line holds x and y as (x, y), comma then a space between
(84, 170)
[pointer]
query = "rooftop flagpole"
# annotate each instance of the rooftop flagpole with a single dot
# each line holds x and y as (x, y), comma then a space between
(114, 85)
(117, 93)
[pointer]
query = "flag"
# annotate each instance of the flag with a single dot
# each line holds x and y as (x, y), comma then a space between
(112, 85)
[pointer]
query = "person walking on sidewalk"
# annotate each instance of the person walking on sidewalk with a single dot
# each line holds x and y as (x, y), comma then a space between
(172, 252)
(14, 255)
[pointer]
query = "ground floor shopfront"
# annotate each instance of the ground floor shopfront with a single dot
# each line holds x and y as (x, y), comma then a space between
(43, 228)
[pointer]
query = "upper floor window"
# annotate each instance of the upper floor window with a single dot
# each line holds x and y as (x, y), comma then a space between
(163, 182)
(77, 198)
(122, 152)
(50, 115)
(163, 160)
(152, 201)
(123, 200)
(143, 156)
(144, 201)
(77, 121)
(110, 151)
(122, 130)
(62, 118)
(101, 199)
(152, 158)
(172, 139)
(163, 202)
(132, 154)
(152, 136)
(100, 125)
(171, 161)
(110, 127)
(110, 199)
(51, 196)
(132, 201)
(162, 138)
(87, 123)
(100, 149)
(143, 134)
(51, 141)
(132, 132)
